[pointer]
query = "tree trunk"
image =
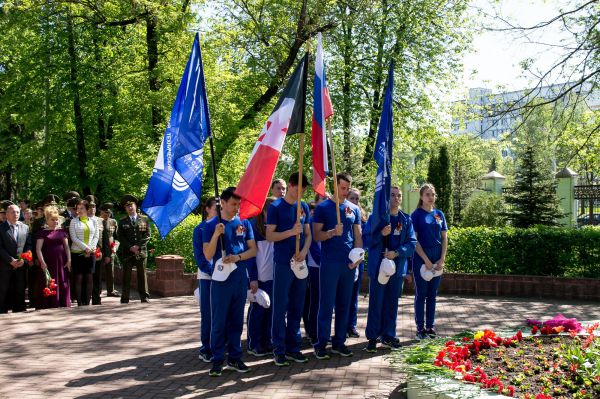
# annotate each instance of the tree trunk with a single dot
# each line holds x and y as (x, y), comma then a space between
(153, 83)
(100, 117)
(347, 53)
(79, 131)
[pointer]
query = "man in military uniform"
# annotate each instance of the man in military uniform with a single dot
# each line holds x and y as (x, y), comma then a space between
(69, 213)
(134, 234)
(97, 275)
(109, 242)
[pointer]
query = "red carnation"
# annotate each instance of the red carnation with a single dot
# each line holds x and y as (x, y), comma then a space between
(98, 254)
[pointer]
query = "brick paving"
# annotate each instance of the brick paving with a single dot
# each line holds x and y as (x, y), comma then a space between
(150, 351)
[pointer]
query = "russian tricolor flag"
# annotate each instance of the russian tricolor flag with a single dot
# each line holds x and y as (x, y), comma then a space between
(322, 110)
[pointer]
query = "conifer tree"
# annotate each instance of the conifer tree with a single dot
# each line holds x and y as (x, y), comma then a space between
(533, 200)
(444, 187)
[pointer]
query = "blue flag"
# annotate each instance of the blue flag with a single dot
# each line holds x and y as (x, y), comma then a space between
(383, 156)
(175, 186)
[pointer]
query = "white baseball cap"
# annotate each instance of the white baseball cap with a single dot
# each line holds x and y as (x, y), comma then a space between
(299, 268)
(427, 275)
(223, 270)
(260, 297)
(387, 268)
(356, 254)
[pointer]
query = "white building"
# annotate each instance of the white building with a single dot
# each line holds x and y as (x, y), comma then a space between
(489, 115)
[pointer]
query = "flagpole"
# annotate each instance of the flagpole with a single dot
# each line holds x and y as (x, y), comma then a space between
(301, 150)
(335, 185)
(216, 184)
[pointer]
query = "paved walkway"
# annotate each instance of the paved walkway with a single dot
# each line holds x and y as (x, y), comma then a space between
(150, 351)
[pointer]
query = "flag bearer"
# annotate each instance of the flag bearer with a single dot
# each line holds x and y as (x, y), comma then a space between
(337, 270)
(229, 283)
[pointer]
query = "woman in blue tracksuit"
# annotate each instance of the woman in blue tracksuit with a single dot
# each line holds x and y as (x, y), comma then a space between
(354, 197)
(261, 276)
(205, 269)
(431, 229)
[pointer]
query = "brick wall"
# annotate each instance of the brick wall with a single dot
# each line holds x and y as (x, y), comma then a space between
(167, 280)
(170, 280)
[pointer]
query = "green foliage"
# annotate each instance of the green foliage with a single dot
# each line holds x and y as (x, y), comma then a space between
(484, 209)
(532, 199)
(439, 174)
(537, 251)
(178, 242)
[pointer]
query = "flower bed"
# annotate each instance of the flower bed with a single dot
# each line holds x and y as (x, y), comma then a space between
(552, 362)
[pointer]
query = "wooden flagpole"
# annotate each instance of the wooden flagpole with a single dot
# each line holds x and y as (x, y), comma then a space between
(301, 150)
(335, 185)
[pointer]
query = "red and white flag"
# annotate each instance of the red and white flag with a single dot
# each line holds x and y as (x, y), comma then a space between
(322, 110)
(286, 118)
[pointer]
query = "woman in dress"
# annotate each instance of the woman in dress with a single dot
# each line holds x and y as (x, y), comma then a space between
(52, 249)
(84, 237)
(432, 242)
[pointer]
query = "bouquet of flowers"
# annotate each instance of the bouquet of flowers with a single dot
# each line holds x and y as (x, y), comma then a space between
(50, 289)
(28, 256)
(114, 246)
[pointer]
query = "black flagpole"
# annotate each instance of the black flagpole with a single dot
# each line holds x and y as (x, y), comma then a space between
(216, 184)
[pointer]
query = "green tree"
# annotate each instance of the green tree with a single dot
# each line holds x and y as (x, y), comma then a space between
(532, 199)
(486, 209)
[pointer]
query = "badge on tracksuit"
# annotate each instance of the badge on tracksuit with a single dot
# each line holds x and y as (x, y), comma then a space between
(398, 229)
(349, 213)
(240, 230)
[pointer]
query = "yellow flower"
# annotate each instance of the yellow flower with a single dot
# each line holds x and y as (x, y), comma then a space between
(479, 335)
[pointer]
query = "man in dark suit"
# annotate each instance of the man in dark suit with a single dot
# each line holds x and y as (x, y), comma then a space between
(14, 240)
(134, 234)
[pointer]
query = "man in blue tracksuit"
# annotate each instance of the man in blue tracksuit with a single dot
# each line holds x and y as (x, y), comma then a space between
(337, 272)
(228, 289)
(288, 289)
(397, 242)
(205, 269)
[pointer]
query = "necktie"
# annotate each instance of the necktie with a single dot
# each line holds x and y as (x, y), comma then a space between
(133, 220)
(15, 232)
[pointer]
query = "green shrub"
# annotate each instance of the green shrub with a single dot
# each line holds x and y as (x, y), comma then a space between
(484, 210)
(177, 242)
(538, 251)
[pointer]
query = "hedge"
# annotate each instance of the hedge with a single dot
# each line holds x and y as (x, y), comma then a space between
(537, 251)
(177, 242)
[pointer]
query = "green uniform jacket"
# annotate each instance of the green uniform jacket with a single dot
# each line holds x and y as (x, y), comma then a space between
(133, 234)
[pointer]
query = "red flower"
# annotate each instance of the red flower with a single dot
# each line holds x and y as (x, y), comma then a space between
(588, 341)
(573, 333)
(98, 254)
(534, 330)
(27, 256)
(590, 329)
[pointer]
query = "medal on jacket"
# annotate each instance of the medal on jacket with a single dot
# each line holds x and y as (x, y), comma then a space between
(349, 213)
(240, 230)
(398, 229)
